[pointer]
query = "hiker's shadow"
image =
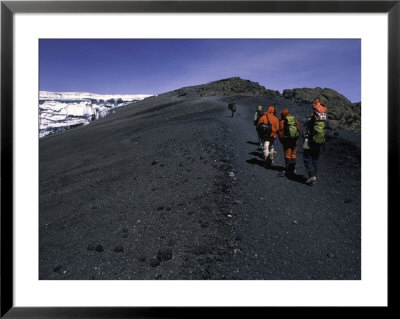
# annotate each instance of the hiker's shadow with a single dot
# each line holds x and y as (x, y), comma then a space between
(296, 177)
(258, 154)
(253, 143)
(263, 163)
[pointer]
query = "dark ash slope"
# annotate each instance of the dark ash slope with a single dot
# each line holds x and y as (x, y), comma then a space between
(174, 188)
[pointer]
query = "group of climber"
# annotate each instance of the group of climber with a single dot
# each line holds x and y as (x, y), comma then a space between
(287, 130)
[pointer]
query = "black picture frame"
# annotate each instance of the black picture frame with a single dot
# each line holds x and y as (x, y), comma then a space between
(9, 8)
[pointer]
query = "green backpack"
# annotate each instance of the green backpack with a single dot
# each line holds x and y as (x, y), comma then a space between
(291, 129)
(318, 135)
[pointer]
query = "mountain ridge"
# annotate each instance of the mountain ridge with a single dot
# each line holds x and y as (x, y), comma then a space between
(342, 114)
(173, 187)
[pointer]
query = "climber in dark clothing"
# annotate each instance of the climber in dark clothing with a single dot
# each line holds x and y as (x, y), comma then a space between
(314, 139)
(257, 116)
(232, 107)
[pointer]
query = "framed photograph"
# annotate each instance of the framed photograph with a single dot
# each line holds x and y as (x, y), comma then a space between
(165, 157)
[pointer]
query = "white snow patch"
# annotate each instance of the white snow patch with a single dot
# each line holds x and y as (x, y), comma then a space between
(59, 111)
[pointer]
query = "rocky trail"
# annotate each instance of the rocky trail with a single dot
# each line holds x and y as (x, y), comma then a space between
(175, 188)
(290, 230)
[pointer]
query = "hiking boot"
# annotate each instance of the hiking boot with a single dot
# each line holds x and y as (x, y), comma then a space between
(289, 174)
(291, 170)
(268, 162)
(311, 181)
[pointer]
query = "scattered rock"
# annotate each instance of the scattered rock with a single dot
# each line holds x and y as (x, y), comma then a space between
(90, 247)
(200, 250)
(99, 248)
(222, 251)
(231, 174)
(331, 255)
(348, 200)
(119, 249)
(204, 224)
(171, 242)
(295, 222)
(164, 254)
(154, 262)
(57, 268)
(141, 258)
(160, 208)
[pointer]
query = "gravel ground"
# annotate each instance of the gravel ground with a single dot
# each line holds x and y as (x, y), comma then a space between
(175, 188)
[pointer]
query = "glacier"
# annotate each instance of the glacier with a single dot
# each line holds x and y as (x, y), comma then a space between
(60, 111)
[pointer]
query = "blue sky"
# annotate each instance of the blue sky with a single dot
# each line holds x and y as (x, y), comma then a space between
(155, 66)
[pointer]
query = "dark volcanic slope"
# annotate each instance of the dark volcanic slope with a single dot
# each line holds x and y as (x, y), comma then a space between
(174, 188)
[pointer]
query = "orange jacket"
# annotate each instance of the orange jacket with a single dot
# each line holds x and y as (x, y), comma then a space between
(284, 114)
(269, 117)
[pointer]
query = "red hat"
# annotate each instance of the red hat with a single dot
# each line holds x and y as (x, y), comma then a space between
(319, 110)
(284, 113)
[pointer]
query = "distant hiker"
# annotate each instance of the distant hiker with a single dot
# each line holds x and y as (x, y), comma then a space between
(314, 138)
(232, 107)
(257, 117)
(289, 132)
(267, 127)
